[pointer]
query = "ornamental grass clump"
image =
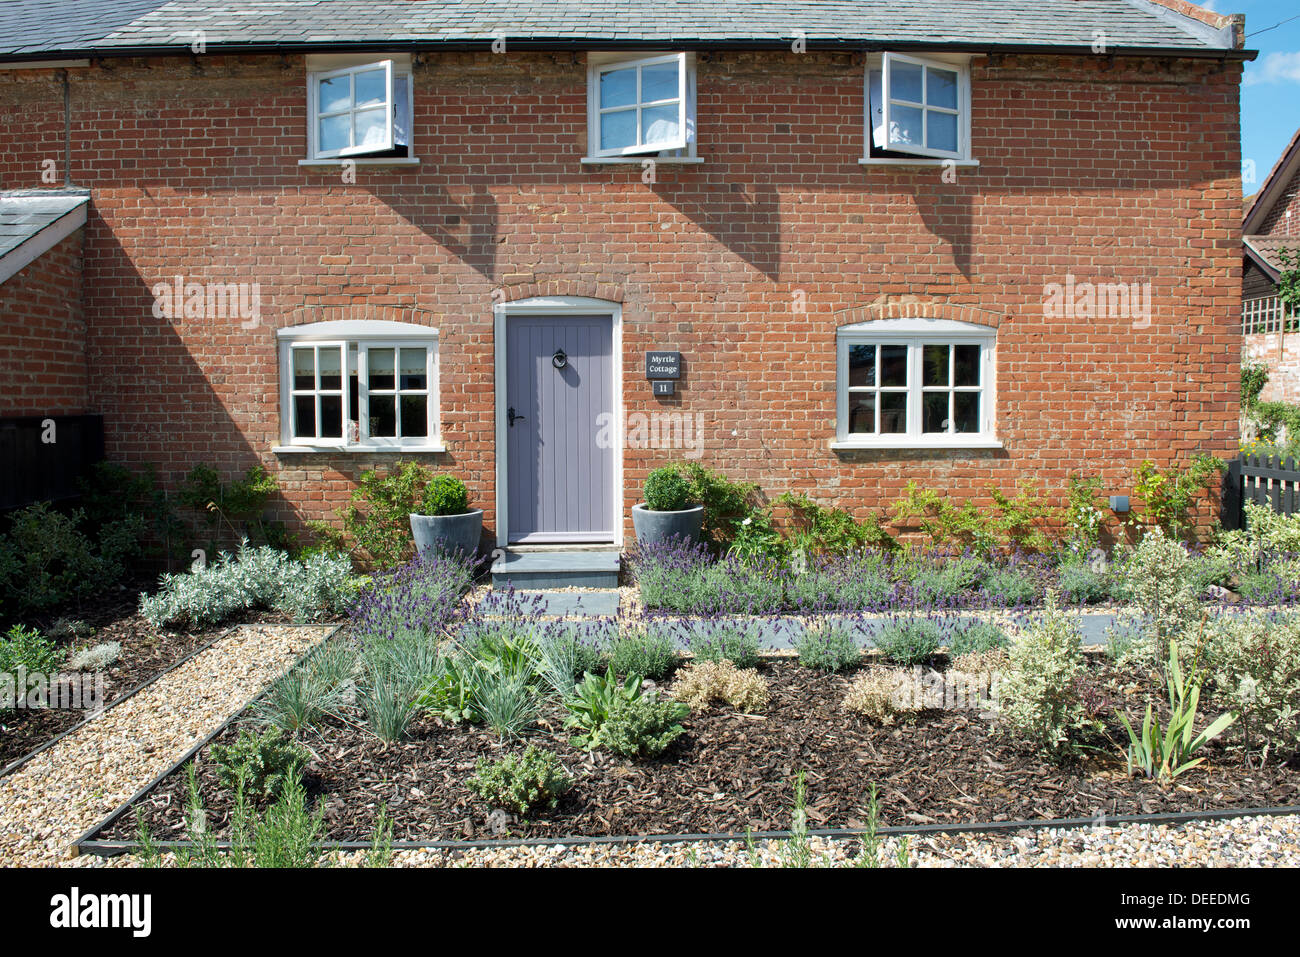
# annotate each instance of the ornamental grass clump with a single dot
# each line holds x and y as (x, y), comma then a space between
(521, 783)
(320, 685)
(829, 646)
(699, 685)
(1039, 703)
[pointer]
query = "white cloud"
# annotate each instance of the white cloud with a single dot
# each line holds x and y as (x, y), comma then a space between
(1274, 68)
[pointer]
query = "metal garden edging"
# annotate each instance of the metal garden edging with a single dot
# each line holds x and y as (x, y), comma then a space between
(115, 848)
(150, 785)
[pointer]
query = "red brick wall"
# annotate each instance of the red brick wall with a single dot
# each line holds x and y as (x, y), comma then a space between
(1113, 170)
(43, 336)
(1284, 218)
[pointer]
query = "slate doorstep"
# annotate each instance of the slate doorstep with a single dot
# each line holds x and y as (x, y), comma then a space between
(556, 569)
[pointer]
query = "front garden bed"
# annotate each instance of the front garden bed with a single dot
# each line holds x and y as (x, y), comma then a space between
(730, 772)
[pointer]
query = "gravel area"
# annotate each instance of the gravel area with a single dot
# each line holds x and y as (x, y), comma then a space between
(1262, 841)
(60, 794)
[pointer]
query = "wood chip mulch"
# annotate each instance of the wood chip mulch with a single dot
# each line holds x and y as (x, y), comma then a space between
(731, 772)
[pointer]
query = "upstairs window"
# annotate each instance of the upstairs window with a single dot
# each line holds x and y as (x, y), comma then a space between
(917, 107)
(641, 106)
(915, 383)
(359, 386)
(359, 110)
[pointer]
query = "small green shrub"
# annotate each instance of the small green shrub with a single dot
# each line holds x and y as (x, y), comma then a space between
(726, 503)
(830, 647)
(593, 701)
(96, 657)
(1038, 699)
(667, 490)
(377, 521)
(262, 763)
(643, 727)
(817, 529)
(445, 495)
(1164, 590)
(908, 641)
(521, 783)
(27, 648)
(649, 652)
(975, 637)
(1252, 662)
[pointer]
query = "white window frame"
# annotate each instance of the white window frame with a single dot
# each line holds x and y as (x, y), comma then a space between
(915, 334)
(683, 147)
(356, 338)
(398, 72)
(881, 62)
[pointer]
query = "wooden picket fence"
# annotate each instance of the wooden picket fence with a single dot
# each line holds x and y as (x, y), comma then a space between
(1264, 479)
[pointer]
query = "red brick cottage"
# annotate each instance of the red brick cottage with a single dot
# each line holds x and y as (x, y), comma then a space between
(962, 243)
(1271, 226)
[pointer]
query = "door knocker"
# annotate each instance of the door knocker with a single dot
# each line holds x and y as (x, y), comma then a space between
(559, 360)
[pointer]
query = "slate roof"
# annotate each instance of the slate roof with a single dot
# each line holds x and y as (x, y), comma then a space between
(23, 216)
(29, 28)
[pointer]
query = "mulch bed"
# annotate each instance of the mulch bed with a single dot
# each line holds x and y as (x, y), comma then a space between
(731, 772)
(146, 651)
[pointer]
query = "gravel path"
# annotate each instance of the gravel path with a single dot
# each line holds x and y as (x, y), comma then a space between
(61, 793)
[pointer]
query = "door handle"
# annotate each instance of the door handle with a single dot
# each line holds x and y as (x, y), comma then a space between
(511, 416)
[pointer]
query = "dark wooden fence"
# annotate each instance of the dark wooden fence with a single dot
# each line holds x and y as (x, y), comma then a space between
(1263, 479)
(35, 469)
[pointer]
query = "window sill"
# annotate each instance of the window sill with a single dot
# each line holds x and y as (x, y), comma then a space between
(903, 443)
(363, 161)
(353, 449)
(638, 160)
(919, 161)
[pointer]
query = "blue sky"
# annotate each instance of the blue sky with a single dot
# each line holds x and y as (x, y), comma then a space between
(1270, 92)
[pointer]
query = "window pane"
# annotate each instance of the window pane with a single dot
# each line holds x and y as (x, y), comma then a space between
(966, 411)
(414, 367)
(967, 365)
(331, 416)
(335, 132)
(893, 365)
(617, 88)
(905, 81)
(415, 416)
(941, 88)
(372, 127)
(331, 369)
(334, 94)
(304, 369)
(862, 365)
(659, 124)
(659, 83)
(380, 363)
(941, 130)
(618, 130)
(383, 416)
(934, 365)
(905, 125)
(372, 88)
(862, 412)
(304, 416)
(934, 411)
(893, 412)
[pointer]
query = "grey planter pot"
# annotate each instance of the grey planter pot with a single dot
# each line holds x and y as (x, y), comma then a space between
(651, 527)
(448, 533)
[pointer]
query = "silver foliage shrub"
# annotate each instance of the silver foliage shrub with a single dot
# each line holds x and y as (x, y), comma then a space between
(1253, 663)
(252, 578)
(95, 658)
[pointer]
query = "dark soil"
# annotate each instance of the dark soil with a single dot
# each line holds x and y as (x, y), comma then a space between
(146, 651)
(731, 772)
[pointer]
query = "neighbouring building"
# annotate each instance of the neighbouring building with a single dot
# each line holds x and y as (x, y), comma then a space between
(1272, 225)
(828, 247)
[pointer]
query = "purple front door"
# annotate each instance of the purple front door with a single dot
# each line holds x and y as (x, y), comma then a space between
(560, 405)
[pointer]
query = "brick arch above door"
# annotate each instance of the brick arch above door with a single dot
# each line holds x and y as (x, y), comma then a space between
(554, 287)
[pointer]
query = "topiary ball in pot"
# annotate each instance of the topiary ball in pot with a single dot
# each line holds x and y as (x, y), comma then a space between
(667, 490)
(445, 521)
(669, 511)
